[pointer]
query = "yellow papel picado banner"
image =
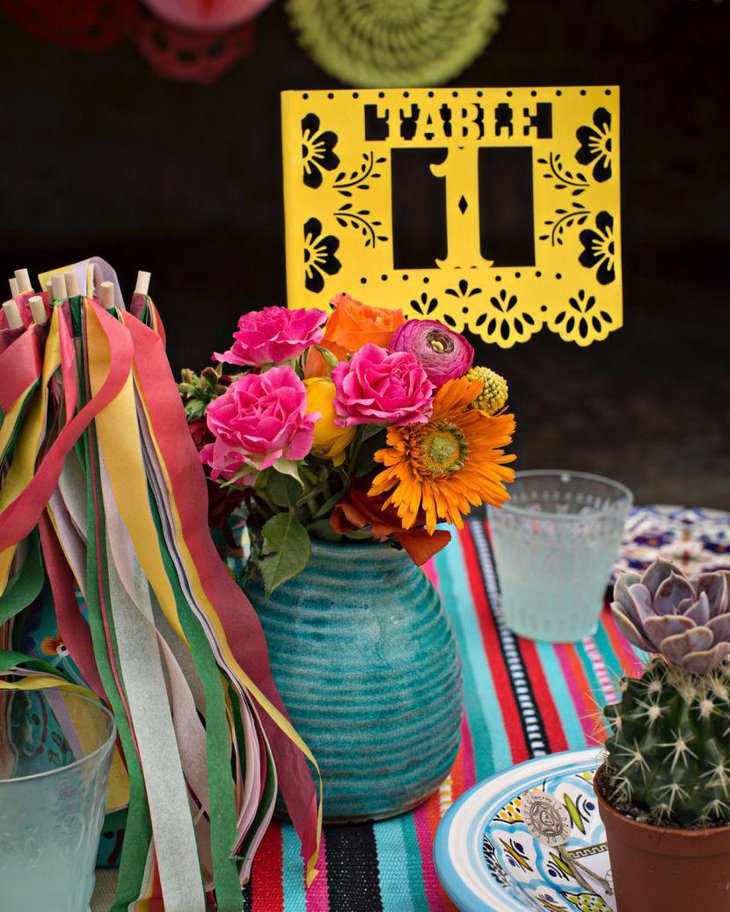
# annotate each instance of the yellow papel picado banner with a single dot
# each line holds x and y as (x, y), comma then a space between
(494, 210)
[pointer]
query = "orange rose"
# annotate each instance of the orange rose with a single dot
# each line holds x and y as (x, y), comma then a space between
(315, 364)
(353, 324)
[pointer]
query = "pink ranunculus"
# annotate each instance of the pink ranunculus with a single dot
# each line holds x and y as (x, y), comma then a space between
(259, 419)
(381, 387)
(443, 353)
(273, 335)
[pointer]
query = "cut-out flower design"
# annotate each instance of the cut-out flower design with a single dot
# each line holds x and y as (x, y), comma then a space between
(506, 320)
(424, 305)
(317, 151)
(319, 255)
(462, 290)
(595, 145)
(582, 321)
(599, 249)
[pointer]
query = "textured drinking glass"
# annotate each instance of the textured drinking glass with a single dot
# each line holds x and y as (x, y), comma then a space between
(555, 542)
(55, 754)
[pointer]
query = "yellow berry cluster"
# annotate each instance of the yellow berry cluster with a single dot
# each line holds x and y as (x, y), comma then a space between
(493, 396)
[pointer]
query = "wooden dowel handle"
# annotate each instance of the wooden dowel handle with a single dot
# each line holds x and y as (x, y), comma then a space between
(23, 280)
(38, 310)
(72, 283)
(59, 288)
(106, 295)
(15, 321)
(143, 283)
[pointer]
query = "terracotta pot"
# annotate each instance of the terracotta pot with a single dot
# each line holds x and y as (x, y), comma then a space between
(656, 869)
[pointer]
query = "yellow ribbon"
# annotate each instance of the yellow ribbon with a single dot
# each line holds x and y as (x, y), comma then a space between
(203, 601)
(30, 440)
(123, 460)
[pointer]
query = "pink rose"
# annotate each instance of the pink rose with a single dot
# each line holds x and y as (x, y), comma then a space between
(273, 335)
(379, 387)
(259, 419)
(443, 353)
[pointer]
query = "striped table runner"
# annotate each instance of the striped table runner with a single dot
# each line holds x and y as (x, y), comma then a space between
(523, 699)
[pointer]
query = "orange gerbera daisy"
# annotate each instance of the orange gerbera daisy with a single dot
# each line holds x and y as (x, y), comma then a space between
(449, 465)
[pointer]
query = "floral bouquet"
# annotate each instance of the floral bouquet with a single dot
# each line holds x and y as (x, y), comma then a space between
(356, 425)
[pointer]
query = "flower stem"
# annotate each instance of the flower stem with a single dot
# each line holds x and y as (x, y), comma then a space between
(264, 498)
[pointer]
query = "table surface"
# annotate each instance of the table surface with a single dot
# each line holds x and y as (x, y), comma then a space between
(522, 699)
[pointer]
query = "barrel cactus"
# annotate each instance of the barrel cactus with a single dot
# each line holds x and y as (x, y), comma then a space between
(668, 752)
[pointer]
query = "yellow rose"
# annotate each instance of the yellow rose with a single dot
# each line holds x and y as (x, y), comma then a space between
(330, 440)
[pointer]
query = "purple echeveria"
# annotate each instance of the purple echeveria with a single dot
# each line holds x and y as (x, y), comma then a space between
(687, 621)
(443, 354)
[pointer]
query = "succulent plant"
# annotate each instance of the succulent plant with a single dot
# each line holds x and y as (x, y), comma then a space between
(668, 752)
(686, 621)
(668, 755)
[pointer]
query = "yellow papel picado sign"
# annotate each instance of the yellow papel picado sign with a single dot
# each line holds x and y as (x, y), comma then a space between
(495, 210)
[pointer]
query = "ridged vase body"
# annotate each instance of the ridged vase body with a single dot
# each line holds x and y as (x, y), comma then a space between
(365, 659)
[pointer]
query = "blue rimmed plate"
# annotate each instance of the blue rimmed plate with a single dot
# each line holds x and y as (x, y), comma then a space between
(486, 858)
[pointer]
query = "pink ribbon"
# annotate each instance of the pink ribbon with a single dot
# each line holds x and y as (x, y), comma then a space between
(240, 622)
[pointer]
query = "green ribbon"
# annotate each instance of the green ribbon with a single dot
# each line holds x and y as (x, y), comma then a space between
(223, 823)
(13, 439)
(26, 585)
(11, 658)
(138, 832)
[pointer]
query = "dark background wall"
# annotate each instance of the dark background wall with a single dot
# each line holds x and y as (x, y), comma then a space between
(101, 156)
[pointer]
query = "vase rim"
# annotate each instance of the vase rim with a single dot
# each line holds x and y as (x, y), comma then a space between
(368, 545)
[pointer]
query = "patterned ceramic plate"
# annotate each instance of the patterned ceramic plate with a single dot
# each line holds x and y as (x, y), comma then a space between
(486, 858)
(698, 540)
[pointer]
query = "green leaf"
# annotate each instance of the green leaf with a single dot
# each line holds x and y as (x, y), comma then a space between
(329, 504)
(283, 489)
(308, 474)
(234, 479)
(370, 430)
(262, 479)
(365, 463)
(286, 551)
(360, 534)
(288, 467)
(321, 528)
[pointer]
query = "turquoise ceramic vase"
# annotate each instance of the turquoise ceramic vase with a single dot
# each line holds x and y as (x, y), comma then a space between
(365, 659)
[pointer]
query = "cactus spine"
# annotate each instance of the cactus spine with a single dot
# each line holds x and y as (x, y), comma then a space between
(668, 754)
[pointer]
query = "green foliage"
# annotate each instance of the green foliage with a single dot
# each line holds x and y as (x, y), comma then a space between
(669, 749)
(284, 490)
(198, 391)
(371, 439)
(285, 550)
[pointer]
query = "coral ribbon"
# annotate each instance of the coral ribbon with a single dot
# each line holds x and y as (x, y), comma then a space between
(235, 623)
